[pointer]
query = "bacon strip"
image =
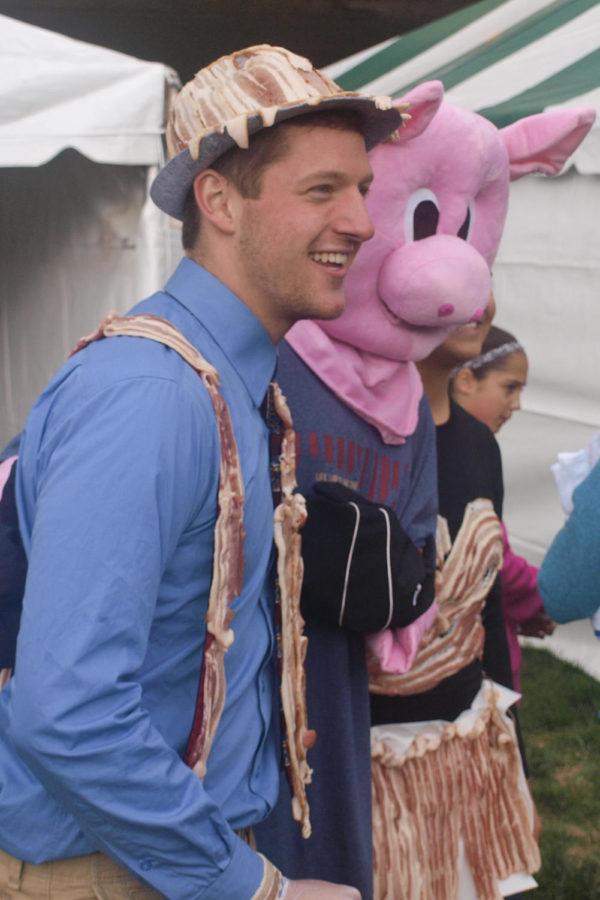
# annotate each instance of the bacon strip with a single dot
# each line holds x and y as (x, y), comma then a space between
(228, 559)
(259, 80)
(271, 885)
(289, 517)
(446, 784)
(463, 580)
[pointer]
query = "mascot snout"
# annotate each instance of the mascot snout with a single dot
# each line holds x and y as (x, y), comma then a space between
(440, 281)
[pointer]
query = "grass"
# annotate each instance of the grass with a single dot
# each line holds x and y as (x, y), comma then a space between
(561, 726)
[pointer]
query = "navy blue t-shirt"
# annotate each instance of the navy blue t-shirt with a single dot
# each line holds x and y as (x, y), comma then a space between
(334, 444)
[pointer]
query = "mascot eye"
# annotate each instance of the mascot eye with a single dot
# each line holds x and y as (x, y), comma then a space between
(466, 228)
(425, 218)
(422, 215)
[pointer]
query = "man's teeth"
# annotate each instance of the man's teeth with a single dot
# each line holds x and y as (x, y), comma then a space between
(340, 259)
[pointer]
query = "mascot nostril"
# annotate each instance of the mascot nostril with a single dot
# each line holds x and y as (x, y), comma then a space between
(446, 309)
(477, 315)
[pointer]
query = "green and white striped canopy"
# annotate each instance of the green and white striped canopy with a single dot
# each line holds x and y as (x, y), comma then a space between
(502, 58)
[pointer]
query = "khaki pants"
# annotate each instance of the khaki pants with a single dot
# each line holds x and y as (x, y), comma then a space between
(91, 877)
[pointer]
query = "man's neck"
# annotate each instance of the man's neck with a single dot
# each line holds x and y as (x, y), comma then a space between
(225, 271)
(435, 379)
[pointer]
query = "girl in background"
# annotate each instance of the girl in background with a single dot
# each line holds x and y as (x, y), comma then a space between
(452, 816)
(489, 387)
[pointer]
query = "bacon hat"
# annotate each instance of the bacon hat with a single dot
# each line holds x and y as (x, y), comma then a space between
(240, 94)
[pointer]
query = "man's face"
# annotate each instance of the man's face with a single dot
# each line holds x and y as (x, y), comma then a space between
(297, 240)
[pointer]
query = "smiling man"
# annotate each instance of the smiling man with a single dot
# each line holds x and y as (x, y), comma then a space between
(101, 790)
(287, 239)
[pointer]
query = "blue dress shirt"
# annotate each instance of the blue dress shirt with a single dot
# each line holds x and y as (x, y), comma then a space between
(117, 487)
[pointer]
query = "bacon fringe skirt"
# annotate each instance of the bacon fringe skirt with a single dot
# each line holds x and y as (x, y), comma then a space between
(446, 790)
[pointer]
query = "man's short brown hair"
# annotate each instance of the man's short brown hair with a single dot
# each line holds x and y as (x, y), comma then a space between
(244, 168)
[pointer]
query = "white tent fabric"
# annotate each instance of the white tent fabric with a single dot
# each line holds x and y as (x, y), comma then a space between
(57, 92)
(78, 235)
(547, 278)
(518, 67)
(338, 68)
(459, 43)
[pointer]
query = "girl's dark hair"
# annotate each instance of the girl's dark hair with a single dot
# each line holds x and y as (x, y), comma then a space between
(488, 360)
(496, 338)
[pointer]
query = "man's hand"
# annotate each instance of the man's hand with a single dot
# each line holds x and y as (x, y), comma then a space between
(320, 890)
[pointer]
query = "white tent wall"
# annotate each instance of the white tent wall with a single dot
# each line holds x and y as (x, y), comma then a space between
(77, 239)
(547, 283)
(80, 139)
(58, 92)
(547, 286)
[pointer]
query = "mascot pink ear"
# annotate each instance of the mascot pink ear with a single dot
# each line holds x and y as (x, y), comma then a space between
(424, 103)
(543, 143)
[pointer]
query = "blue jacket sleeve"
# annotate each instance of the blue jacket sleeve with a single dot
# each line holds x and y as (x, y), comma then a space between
(117, 485)
(569, 578)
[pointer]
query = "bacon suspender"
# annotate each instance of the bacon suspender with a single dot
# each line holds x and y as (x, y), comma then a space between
(228, 562)
(289, 517)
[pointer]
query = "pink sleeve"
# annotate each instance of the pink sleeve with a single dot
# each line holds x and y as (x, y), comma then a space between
(396, 648)
(520, 597)
(5, 467)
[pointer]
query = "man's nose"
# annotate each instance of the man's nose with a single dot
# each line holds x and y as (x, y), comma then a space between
(516, 401)
(353, 218)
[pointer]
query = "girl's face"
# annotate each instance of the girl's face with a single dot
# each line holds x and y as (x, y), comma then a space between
(495, 397)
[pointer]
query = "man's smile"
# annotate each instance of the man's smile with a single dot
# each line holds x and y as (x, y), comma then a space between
(337, 261)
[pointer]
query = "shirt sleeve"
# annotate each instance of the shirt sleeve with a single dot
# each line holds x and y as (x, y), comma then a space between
(520, 596)
(121, 476)
(568, 580)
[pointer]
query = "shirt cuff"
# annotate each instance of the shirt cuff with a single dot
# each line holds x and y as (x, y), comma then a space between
(242, 877)
(273, 885)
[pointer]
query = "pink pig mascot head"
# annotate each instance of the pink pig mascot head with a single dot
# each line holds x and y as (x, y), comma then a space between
(438, 203)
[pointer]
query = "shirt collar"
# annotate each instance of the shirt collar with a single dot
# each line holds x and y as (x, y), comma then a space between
(237, 331)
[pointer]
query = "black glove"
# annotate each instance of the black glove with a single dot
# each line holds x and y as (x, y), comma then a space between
(361, 571)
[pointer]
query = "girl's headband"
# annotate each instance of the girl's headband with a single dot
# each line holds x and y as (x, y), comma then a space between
(484, 358)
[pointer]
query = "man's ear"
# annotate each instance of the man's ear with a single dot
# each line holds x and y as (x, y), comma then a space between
(214, 195)
(464, 383)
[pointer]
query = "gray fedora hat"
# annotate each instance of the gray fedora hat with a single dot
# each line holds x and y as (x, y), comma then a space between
(237, 96)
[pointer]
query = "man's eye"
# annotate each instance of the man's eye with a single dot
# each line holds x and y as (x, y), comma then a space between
(322, 189)
(364, 189)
